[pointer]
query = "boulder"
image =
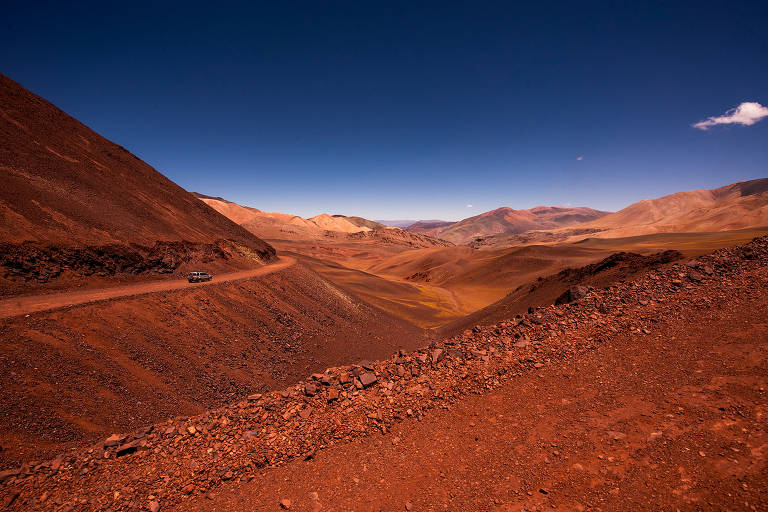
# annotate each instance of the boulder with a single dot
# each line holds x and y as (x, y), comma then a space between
(367, 379)
(572, 294)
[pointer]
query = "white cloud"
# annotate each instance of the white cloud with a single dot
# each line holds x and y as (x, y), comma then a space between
(469, 206)
(746, 114)
(579, 158)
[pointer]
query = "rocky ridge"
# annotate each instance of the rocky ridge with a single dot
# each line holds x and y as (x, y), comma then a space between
(161, 464)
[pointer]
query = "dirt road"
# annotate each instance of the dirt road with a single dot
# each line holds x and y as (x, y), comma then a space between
(25, 305)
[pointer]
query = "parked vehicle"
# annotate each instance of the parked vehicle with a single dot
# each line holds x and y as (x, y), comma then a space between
(199, 277)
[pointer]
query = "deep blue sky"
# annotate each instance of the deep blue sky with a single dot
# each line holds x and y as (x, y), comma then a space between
(408, 109)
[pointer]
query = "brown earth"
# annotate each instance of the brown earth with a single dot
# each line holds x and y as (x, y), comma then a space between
(79, 373)
(674, 420)
(66, 187)
(286, 226)
(432, 287)
(649, 395)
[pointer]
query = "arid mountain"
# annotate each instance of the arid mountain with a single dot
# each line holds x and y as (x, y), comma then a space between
(274, 225)
(396, 223)
(65, 188)
(508, 221)
(65, 184)
(736, 206)
(364, 223)
(430, 227)
(336, 228)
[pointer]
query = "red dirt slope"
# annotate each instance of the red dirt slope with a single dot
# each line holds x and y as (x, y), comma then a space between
(65, 186)
(76, 374)
(647, 396)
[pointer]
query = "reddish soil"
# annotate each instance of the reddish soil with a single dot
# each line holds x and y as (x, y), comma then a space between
(674, 420)
(648, 395)
(79, 373)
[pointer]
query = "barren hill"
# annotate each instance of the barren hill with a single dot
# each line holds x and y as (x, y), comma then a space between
(508, 221)
(66, 188)
(334, 228)
(735, 206)
(275, 225)
(430, 227)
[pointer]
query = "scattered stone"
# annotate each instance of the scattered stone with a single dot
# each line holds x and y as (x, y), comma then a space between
(367, 379)
(310, 389)
(11, 499)
(127, 448)
(154, 506)
(437, 355)
(285, 504)
(572, 294)
(7, 474)
(114, 440)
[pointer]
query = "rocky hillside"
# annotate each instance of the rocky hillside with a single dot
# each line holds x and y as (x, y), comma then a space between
(170, 462)
(565, 286)
(126, 362)
(66, 188)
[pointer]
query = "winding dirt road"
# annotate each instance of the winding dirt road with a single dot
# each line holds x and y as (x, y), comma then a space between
(31, 304)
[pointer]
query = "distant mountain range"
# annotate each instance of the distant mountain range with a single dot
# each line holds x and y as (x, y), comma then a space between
(284, 226)
(506, 220)
(402, 224)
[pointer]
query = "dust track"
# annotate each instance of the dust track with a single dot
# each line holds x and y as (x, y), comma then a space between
(31, 304)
